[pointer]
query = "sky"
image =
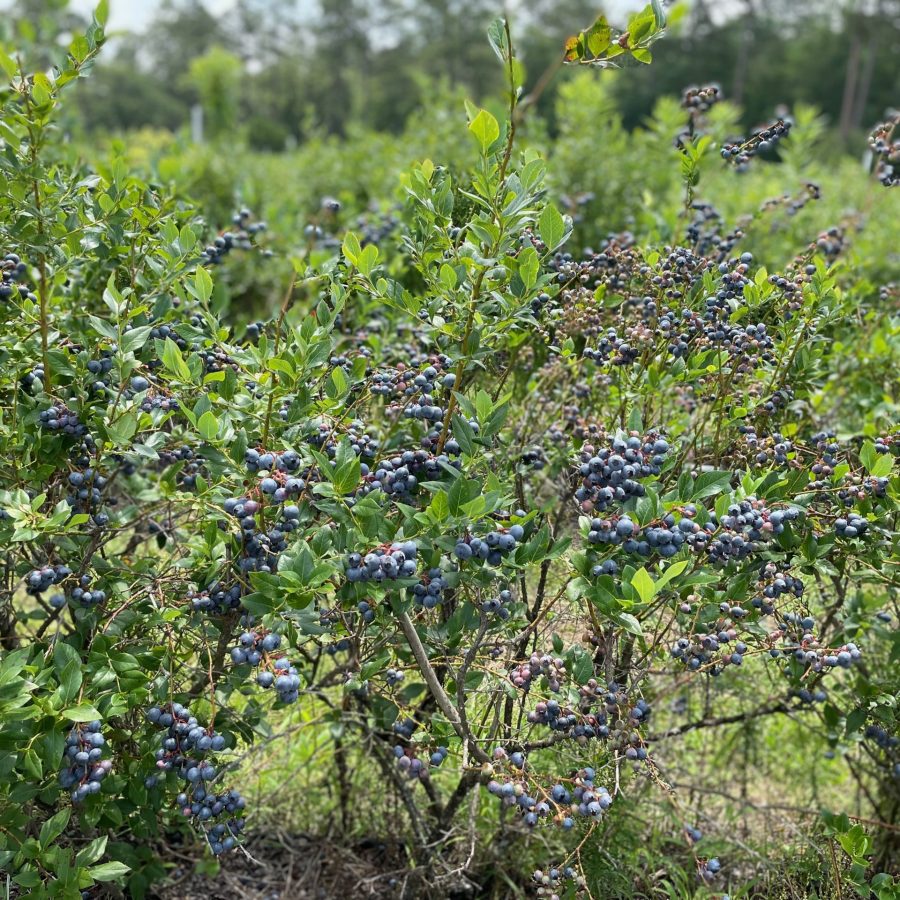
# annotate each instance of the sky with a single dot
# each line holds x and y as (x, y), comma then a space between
(135, 14)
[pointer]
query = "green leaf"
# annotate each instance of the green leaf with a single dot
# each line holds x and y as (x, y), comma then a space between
(367, 259)
(464, 434)
(90, 854)
(81, 713)
(208, 425)
(337, 384)
(439, 508)
(67, 663)
(108, 871)
(868, 455)
(630, 623)
(641, 26)
(347, 468)
(581, 666)
(9, 65)
(101, 13)
(462, 492)
(497, 39)
(448, 276)
(643, 584)
(351, 247)
(123, 429)
(54, 827)
(598, 37)
(485, 129)
(883, 466)
(552, 227)
(855, 721)
(203, 284)
(673, 571)
(710, 483)
(135, 338)
(529, 266)
(174, 361)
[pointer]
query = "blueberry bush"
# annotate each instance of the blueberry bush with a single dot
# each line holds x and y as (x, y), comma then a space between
(492, 518)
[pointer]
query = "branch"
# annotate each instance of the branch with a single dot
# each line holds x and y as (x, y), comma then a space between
(437, 691)
(781, 707)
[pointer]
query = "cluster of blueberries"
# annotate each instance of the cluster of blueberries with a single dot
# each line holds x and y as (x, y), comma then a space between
(416, 390)
(12, 270)
(84, 770)
(886, 151)
(830, 243)
(884, 739)
(763, 141)
(428, 591)
(184, 744)
(613, 349)
(260, 549)
(883, 443)
(498, 606)
(344, 645)
(557, 717)
(363, 444)
(241, 239)
(492, 548)
(151, 401)
(697, 101)
(38, 580)
(850, 527)
(793, 204)
(539, 303)
(604, 712)
(609, 474)
(398, 560)
(62, 419)
(555, 882)
(775, 582)
(254, 649)
(413, 767)
(701, 98)
(204, 806)
(188, 473)
(709, 869)
(746, 345)
(269, 461)
(766, 449)
(399, 476)
(431, 440)
(704, 232)
(254, 330)
(86, 493)
(81, 594)
(33, 381)
(699, 651)
(583, 799)
(745, 527)
(165, 331)
(869, 486)
(366, 610)
(100, 368)
(216, 599)
(827, 449)
(740, 532)
(538, 666)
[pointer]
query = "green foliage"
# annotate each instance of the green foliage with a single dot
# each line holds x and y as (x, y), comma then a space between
(405, 479)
